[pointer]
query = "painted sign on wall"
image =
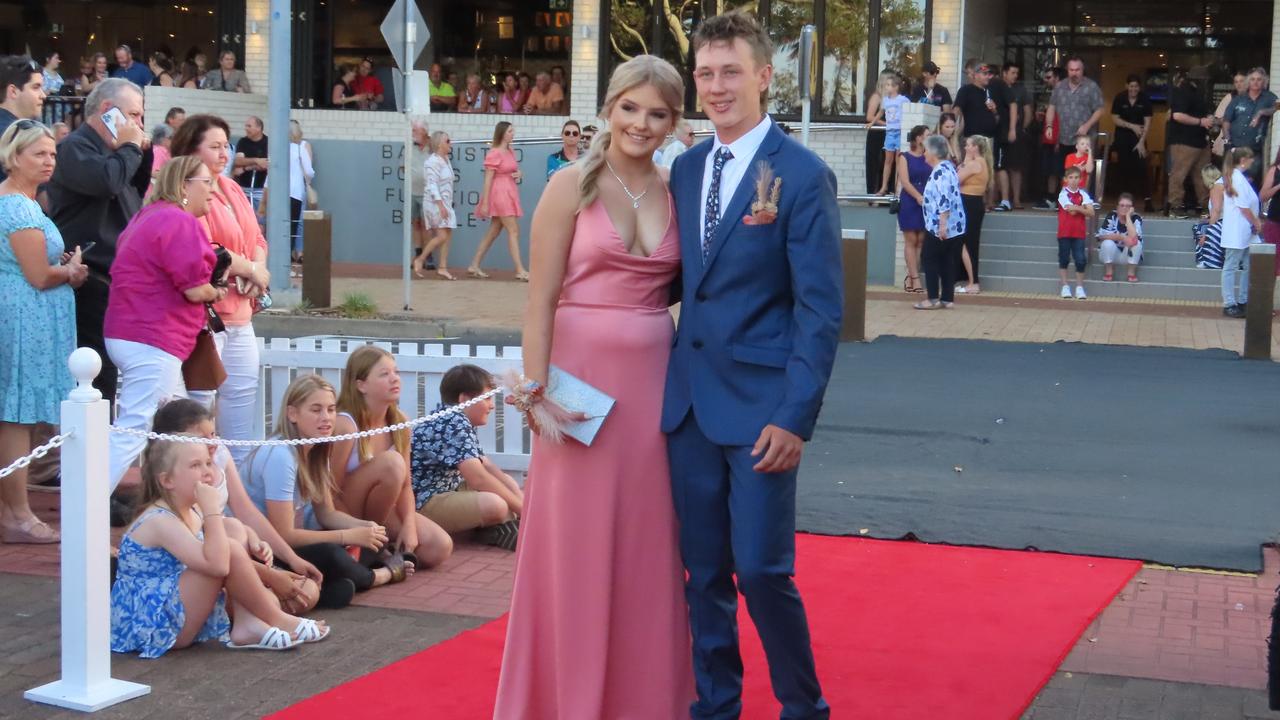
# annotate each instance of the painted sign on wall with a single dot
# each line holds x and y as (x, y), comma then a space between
(361, 185)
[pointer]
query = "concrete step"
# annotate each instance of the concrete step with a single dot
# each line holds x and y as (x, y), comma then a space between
(1032, 220)
(995, 267)
(1049, 251)
(1048, 237)
(1119, 289)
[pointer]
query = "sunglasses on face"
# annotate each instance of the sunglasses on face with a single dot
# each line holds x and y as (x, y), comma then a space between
(571, 133)
(24, 125)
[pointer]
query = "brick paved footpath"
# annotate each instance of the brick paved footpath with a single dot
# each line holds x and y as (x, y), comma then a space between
(1173, 644)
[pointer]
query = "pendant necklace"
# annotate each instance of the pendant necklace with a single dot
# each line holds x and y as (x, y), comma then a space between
(635, 199)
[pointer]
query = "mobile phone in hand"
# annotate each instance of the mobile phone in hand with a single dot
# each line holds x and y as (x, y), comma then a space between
(84, 249)
(113, 119)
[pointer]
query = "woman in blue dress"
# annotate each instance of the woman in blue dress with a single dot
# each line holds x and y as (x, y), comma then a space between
(913, 167)
(37, 319)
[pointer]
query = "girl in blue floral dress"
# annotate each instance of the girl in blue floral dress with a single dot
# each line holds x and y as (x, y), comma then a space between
(178, 558)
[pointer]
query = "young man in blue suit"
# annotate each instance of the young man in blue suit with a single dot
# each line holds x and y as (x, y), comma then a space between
(759, 326)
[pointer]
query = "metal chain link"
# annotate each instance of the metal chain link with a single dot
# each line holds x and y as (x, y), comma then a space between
(306, 441)
(36, 454)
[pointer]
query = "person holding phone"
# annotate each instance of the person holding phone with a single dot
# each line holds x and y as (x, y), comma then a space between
(92, 197)
(37, 311)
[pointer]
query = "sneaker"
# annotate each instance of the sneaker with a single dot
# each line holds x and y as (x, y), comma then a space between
(1097, 207)
(1233, 311)
(1066, 292)
(1045, 204)
(1080, 293)
(502, 535)
(1004, 206)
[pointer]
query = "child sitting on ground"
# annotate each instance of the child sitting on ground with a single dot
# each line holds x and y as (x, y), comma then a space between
(371, 474)
(454, 484)
(298, 591)
(293, 487)
(177, 558)
(1074, 205)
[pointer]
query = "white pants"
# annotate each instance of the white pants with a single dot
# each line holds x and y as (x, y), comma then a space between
(148, 376)
(1112, 252)
(238, 347)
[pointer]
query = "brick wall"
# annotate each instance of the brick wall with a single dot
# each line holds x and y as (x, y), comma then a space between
(256, 45)
(946, 19)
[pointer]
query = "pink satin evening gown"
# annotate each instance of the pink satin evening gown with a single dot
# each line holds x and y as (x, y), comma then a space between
(599, 626)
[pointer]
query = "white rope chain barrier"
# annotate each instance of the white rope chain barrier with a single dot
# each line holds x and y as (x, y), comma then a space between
(303, 441)
(36, 454)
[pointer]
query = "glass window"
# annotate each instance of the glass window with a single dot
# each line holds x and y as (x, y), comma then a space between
(786, 18)
(846, 39)
(844, 58)
(902, 37)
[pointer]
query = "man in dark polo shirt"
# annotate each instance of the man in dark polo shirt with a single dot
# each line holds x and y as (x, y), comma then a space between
(1131, 111)
(92, 198)
(250, 168)
(1189, 120)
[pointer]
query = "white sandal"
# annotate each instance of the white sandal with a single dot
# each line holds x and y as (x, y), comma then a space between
(273, 639)
(309, 631)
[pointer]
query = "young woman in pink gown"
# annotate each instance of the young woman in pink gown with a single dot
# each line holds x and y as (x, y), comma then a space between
(599, 625)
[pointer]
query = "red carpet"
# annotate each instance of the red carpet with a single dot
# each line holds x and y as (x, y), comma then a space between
(901, 631)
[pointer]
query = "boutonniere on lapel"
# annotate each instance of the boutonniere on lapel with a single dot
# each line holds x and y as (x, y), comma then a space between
(768, 189)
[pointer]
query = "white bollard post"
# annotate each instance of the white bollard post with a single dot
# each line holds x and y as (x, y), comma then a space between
(86, 682)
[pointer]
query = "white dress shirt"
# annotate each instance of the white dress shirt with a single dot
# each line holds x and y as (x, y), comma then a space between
(744, 152)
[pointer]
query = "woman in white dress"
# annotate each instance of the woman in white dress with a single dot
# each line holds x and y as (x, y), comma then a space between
(437, 204)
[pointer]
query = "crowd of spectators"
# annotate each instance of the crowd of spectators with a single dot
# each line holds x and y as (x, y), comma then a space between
(146, 262)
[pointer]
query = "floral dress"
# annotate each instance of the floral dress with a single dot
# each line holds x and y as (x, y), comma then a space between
(146, 610)
(37, 327)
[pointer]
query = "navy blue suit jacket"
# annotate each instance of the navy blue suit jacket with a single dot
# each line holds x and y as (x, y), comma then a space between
(760, 319)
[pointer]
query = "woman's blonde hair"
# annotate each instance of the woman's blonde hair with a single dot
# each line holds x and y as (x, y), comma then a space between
(984, 149)
(638, 71)
(434, 140)
(315, 480)
(351, 400)
(295, 131)
(1234, 158)
(170, 184)
(1210, 174)
(18, 137)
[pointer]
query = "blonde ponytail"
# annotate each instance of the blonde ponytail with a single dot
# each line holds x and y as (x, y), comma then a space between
(591, 165)
(639, 70)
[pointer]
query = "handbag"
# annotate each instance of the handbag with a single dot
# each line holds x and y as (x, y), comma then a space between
(313, 200)
(203, 368)
(894, 205)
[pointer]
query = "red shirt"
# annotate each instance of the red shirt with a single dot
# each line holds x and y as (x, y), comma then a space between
(1074, 160)
(367, 84)
(1072, 225)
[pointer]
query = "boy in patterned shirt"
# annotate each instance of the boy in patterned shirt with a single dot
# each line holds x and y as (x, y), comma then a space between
(454, 483)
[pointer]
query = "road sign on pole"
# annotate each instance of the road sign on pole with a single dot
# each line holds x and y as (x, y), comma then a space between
(406, 33)
(395, 30)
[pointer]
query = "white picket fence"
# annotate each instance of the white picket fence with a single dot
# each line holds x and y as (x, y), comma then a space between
(421, 365)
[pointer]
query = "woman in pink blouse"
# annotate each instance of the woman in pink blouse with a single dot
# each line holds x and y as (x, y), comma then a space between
(160, 280)
(500, 201)
(231, 223)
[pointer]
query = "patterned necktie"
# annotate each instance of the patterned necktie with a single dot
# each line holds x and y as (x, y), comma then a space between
(713, 201)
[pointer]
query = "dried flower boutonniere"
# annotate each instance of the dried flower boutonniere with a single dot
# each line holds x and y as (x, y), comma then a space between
(768, 189)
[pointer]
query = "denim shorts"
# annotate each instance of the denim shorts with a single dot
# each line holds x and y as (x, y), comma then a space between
(1071, 249)
(893, 140)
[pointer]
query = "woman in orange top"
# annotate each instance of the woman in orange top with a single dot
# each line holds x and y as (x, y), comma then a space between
(232, 224)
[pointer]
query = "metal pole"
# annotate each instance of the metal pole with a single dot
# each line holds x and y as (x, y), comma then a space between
(410, 38)
(86, 683)
(807, 35)
(279, 223)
